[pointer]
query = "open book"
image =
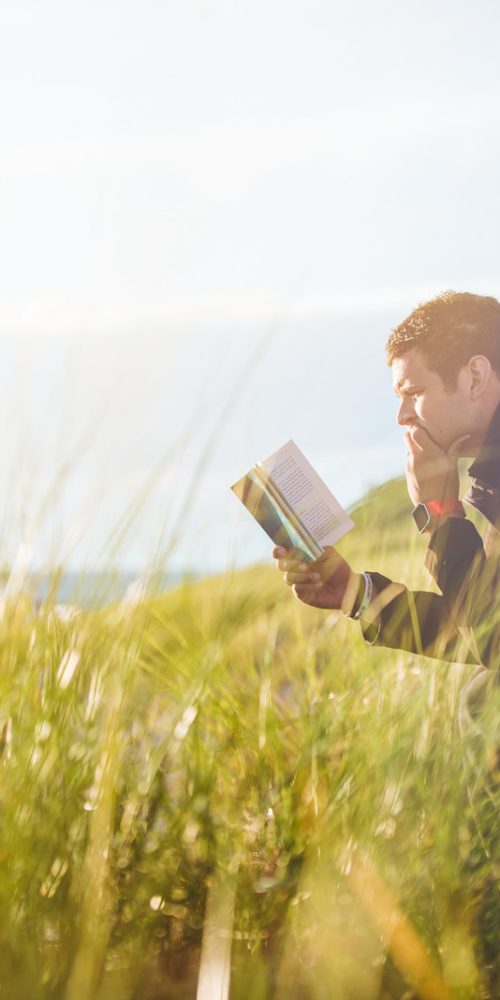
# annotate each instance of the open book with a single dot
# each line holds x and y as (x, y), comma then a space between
(292, 504)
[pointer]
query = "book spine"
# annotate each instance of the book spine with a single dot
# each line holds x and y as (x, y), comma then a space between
(279, 498)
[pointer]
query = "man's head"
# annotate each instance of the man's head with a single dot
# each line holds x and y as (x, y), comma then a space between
(445, 359)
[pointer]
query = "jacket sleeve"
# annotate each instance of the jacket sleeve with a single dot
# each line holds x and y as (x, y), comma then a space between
(465, 613)
(468, 576)
(414, 620)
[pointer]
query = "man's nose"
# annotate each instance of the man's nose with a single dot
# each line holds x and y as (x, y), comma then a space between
(406, 412)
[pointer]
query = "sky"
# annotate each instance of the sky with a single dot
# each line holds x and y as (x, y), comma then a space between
(212, 216)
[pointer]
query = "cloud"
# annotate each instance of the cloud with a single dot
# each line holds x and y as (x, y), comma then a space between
(212, 314)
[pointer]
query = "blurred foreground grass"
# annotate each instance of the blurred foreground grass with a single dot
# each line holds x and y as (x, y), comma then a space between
(221, 778)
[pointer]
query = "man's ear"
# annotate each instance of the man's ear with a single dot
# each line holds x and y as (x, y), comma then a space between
(478, 375)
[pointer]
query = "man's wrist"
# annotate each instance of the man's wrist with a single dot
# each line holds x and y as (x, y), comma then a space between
(353, 594)
(362, 597)
(430, 514)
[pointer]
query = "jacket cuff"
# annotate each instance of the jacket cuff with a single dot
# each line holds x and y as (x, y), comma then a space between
(372, 619)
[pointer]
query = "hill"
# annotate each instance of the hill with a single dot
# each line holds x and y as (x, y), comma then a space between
(220, 782)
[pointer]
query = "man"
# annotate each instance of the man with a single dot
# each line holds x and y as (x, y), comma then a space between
(445, 360)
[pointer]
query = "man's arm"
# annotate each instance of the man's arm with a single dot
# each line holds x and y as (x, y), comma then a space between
(467, 577)
(469, 581)
(417, 621)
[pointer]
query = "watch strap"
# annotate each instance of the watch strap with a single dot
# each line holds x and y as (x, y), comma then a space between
(440, 508)
(428, 515)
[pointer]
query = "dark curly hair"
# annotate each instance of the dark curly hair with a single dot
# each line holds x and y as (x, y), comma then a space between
(449, 330)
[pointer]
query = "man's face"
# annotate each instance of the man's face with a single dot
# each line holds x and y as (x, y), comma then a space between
(426, 402)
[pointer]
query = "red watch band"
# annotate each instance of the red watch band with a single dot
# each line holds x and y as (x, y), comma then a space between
(438, 508)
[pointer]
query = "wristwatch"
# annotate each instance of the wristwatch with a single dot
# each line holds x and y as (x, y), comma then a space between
(427, 515)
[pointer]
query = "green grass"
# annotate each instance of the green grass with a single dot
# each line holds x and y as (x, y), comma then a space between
(223, 746)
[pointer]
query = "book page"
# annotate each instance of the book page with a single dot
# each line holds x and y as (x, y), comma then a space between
(308, 495)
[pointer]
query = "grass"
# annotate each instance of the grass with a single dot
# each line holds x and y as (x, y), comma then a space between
(221, 778)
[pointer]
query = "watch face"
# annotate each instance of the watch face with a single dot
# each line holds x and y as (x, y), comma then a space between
(421, 516)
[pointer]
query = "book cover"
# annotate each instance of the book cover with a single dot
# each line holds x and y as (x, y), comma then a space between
(292, 504)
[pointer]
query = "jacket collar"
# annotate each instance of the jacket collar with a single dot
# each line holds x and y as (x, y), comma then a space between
(486, 468)
(484, 492)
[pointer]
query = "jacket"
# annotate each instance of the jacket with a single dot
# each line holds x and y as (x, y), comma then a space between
(462, 622)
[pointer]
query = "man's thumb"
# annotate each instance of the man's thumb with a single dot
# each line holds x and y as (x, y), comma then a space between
(455, 449)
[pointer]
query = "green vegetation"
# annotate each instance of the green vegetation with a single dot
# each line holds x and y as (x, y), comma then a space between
(222, 749)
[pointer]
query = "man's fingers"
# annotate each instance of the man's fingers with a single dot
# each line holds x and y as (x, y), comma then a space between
(308, 593)
(301, 578)
(419, 440)
(413, 442)
(279, 552)
(293, 565)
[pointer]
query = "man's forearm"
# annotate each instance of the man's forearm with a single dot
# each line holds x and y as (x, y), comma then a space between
(469, 581)
(416, 621)
(455, 558)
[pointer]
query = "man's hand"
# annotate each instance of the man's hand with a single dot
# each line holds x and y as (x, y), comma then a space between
(431, 473)
(329, 582)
